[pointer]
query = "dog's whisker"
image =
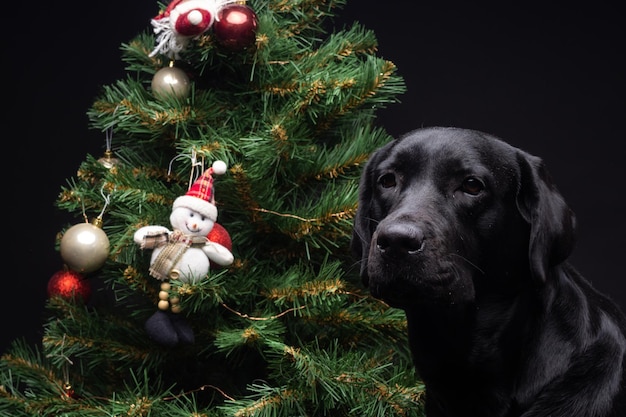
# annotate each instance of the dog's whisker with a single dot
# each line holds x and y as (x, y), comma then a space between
(473, 265)
(356, 265)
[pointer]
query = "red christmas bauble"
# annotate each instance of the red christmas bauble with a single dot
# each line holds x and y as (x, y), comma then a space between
(219, 235)
(235, 26)
(69, 284)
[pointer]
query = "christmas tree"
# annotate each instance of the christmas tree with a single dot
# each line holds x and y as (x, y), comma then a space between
(263, 112)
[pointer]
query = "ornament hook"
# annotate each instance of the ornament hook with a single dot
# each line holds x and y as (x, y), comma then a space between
(197, 166)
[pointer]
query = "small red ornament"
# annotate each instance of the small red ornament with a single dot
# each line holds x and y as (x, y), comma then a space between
(69, 284)
(219, 235)
(235, 26)
(69, 392)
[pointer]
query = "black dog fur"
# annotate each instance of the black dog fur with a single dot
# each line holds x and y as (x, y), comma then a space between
(469, 236)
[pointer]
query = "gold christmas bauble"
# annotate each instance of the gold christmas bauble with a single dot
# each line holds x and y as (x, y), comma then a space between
(84, 247)
(171, 81)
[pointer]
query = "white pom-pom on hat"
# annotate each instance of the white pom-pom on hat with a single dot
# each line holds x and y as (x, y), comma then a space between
(219, 167)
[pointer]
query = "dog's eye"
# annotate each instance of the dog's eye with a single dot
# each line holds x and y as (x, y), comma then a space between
(472, 186)
(387, 180)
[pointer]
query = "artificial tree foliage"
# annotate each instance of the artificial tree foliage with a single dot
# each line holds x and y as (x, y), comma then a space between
(288, 329)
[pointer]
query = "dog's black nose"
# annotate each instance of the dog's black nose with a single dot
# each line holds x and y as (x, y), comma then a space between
(399, 240)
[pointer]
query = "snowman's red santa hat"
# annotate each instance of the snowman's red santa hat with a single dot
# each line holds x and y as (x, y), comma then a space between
(200, 197)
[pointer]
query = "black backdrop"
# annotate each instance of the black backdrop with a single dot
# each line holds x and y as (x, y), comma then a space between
(549, 80)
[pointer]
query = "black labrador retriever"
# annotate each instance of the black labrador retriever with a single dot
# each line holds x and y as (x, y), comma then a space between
(469, 236)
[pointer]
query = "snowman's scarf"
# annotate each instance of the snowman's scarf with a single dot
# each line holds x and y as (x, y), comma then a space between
(175, 247)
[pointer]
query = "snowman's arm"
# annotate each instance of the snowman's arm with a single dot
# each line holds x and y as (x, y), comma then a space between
(149, 237)
(218, 253)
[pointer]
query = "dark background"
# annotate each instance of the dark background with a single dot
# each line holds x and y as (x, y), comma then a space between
(549, 80)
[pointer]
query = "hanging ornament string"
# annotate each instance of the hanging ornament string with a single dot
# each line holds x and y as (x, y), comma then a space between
(197, 167)
(68, 390)
(107, 201)
(109, 134)
(108, 160)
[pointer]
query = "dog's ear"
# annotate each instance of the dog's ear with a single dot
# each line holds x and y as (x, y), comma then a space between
(362, 230)
(552, 222)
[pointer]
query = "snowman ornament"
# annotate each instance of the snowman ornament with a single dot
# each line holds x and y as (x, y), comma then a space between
(184, 253)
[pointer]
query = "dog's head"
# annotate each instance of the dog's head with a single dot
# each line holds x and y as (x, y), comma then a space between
(445, 214)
